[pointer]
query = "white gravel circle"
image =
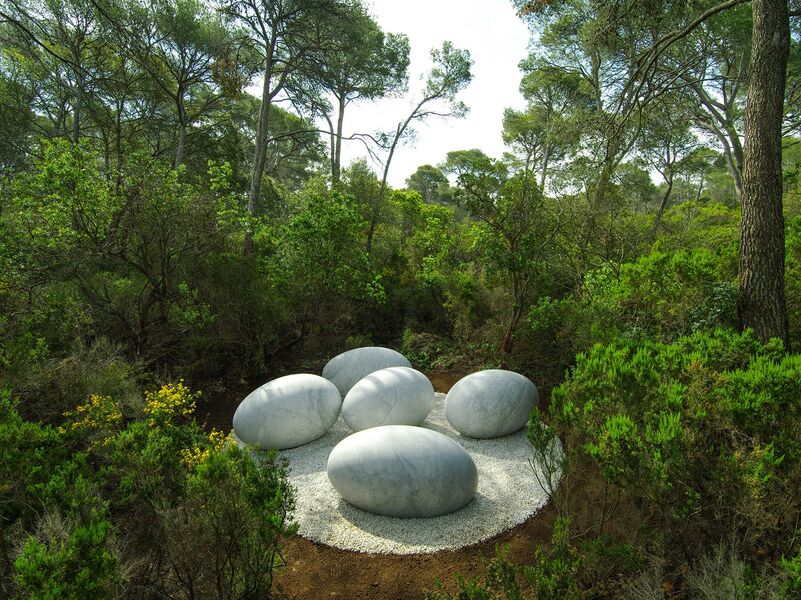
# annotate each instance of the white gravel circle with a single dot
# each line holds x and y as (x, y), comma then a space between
(508, 493)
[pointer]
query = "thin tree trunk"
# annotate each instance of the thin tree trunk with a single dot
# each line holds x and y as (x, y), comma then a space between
(662, 207)
(118, 144)
(546, 156)
(259, 159)
(333, 149)
(76, 113)
(383, 189)
(514, 319)
(179, 151)
(338, 154)
(762, 303)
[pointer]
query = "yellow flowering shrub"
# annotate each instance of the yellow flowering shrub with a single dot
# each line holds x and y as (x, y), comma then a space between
(171, 401)
(197, 456)
(97, 418)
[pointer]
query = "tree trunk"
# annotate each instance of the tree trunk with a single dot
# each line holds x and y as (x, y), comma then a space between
(259, 159)
(76, 113)
(118, 144)
(383, 189)
(762, 303)
(546, 156)
(337, 164)
(514, 319)
(333, 150)
(662, 206)
(179, 151)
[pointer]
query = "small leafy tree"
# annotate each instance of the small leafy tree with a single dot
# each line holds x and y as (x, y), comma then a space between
(516, 228)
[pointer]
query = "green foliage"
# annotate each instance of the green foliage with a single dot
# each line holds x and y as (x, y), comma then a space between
(792, 570)
(702, 224)
(147, 500)
(793, 277)
(500, 583)
(431, 184)
(552, 576)
(230, 525)
(553, 573)
(53, 385)
(320, 248)
(662, 295)
(79, 566)
(422, 350)
(703, 429)
(550, 463)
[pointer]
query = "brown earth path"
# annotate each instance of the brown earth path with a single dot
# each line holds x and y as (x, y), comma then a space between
(314, 571)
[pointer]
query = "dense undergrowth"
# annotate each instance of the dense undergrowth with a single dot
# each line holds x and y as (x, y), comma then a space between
(163, 231)
(135, 500)
(114, 290)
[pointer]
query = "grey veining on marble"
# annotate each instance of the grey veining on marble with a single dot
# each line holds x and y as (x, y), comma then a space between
(392, 396)
(403, 471)
(287, 412)
(346, 369)
(490, 403)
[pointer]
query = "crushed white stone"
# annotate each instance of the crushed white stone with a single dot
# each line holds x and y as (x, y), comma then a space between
(508, 493)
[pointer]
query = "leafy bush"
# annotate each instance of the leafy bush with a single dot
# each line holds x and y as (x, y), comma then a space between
(423, 350)
(57, 384)
(553, 574)
(106, 502)
(662, 295)
(705, 431)
(76, 564)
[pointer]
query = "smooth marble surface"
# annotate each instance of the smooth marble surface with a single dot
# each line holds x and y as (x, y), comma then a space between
(346, 369)
(403, 471)
(287, 412)
(393, 396)
(490, 403)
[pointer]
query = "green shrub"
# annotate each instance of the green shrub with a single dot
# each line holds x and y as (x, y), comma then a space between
(553, 574)
(423, 349)
(705, 431)
(224, 538)
(150, 498)
(662, 295)
(72, 564)
(792, 571)
(57, 385)
(501, 582)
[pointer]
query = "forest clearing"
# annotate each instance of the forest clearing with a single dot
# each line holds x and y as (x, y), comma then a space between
(516, 314)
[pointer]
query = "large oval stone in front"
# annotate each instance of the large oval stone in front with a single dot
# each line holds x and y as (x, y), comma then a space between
(393, 396)
(490, 403)
(345, 369)
(287, 412)
(403, 471)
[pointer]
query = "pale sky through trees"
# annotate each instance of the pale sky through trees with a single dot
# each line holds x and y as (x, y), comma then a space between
(497, 40)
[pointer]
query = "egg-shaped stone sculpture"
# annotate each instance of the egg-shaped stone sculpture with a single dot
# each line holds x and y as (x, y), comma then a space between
(491, 403)
(287, 412)
(345, 369)
(393, 396)
(403, 471)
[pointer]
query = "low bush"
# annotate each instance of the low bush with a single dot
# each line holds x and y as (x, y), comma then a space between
(662, 295)
(148, 505)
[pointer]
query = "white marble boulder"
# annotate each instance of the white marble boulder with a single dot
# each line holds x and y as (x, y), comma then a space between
(287, 412)
(403, 471)
(393, 396)
(491, 403)
(345, 369)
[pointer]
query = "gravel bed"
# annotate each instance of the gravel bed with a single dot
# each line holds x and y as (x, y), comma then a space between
(508, 493)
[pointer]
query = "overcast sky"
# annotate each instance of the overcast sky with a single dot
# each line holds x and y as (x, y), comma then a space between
(497, 40)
